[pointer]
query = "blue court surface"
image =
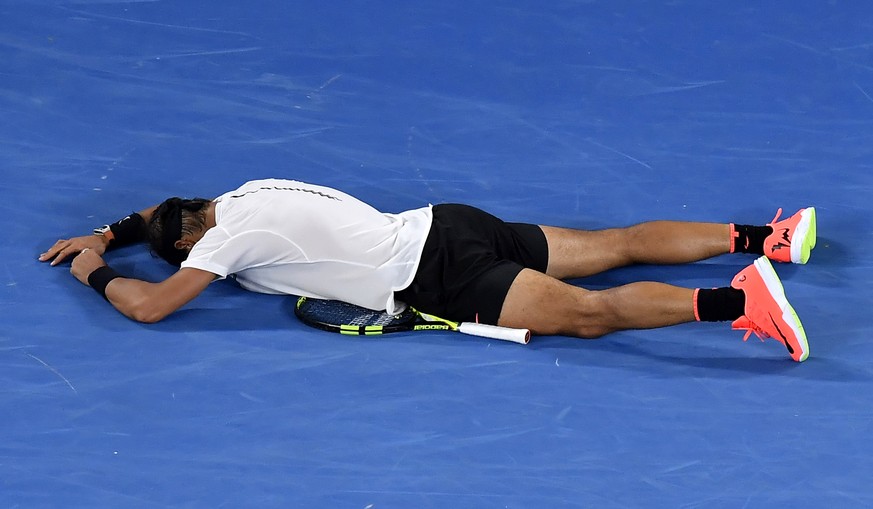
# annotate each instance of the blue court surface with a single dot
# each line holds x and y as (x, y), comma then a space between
(586, 114)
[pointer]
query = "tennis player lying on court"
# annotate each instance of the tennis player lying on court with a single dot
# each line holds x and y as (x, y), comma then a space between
(452, 261)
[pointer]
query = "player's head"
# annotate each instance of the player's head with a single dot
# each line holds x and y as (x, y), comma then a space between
(173, 224)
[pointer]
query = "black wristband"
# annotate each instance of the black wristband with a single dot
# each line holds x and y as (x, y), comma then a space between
(130, 230)
(100, 278)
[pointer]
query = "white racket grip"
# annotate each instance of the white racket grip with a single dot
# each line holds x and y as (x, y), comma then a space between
(521, 336)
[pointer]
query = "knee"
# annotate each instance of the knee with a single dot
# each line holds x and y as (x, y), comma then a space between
(591, 332)
(624, 243)
(594, 317)
(630, 240)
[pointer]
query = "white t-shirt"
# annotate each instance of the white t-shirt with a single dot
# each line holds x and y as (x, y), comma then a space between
(289, 237)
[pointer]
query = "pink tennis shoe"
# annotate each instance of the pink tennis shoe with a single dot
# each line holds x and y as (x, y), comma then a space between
(767, 312)
(792, 238)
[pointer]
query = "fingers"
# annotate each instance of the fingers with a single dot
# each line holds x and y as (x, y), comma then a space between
(58, 252)
(85, 263)
(66, 248)
(54, 250)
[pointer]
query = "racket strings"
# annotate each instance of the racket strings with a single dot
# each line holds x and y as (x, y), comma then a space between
(342, 313)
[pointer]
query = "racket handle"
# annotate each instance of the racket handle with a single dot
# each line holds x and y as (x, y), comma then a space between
(521, 336)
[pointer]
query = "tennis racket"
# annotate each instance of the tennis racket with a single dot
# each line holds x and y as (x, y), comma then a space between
(344, 318)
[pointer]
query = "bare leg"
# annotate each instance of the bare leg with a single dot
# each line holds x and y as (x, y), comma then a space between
(580, 253)
(548, 306)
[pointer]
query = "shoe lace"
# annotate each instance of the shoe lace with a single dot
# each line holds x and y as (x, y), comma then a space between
(778, 213)
(750, 328)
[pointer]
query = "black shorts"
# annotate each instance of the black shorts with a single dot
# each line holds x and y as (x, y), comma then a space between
(470, 260)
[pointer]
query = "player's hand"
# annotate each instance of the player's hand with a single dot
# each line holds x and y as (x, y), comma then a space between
(65, 248)
(85, 263)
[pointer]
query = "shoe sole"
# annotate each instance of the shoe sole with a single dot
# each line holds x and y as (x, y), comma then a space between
(774, 286)
(804, 236)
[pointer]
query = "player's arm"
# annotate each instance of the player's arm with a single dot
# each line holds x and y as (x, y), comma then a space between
(140, 300)
(126, 231)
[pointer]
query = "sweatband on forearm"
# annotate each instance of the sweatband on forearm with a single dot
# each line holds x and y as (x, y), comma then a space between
(130, 230)
(100, 278)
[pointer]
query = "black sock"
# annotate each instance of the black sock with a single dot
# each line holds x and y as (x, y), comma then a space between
(719, 304)
(750, 239)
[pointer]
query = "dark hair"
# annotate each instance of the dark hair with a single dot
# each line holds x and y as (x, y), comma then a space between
(172, 219)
